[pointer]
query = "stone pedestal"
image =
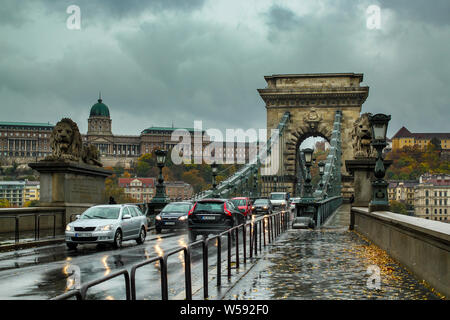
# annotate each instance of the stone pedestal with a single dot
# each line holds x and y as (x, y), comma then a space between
(347, 187)
(363, 175)
(76, 186)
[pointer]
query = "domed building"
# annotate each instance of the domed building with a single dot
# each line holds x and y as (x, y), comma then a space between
(122, 150)
(99, 121)
(114, 150)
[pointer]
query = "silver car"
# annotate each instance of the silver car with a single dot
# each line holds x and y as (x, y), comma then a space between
(107, 224)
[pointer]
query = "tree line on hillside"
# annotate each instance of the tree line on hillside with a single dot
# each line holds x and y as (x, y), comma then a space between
(409, 163)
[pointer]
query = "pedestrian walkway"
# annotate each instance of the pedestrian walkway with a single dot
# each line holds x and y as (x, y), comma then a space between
(328, 263)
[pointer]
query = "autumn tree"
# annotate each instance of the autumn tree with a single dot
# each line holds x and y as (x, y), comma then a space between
(112, 189)
(398, 207)
(409, 163)
(194, 179)
(4, 203)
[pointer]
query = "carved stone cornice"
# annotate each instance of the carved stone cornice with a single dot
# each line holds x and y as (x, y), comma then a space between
(317, 97)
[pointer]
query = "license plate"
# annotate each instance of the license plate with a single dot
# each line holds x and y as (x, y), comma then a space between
(169, 223)
(80, 235)
(208, 218)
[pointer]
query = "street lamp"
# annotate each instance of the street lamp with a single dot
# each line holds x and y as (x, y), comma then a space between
(378, 125)
(255, 183)
(308, 152)
(321, 165)
(160, 195)
(214, 175)
(160, 157)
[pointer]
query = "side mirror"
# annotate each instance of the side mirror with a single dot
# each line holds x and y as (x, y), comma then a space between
(77, 217)
(126, 216)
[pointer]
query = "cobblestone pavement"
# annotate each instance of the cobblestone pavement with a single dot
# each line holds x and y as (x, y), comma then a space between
(328, 263)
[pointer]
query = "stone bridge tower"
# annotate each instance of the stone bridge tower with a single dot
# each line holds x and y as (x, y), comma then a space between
(312, 100)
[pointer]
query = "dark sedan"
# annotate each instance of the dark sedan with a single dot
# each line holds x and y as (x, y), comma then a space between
(173, 216)
(213, 216)
(263, 206)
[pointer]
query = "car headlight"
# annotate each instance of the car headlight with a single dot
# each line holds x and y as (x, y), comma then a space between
(182, 218)
(69, 228)
(158, 217)
(265, 207)
(104, 228)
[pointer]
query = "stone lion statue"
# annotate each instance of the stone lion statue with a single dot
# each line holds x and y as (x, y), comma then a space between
(362, 137)
(91, 155)
(66, 145)
(65, 141)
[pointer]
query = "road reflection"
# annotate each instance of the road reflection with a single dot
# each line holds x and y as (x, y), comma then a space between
(105, 264)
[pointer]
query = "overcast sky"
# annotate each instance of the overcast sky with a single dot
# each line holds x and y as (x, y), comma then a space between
(161, 61)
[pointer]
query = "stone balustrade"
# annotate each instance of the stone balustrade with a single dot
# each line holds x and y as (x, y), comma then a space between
(422, 246)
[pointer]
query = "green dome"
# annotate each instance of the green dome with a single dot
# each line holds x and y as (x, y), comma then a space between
(99, 109)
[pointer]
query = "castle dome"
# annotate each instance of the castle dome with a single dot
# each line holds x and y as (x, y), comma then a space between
(99, 109)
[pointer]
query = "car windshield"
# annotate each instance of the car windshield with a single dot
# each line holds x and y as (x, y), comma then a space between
(262, 201)
(209, 206)
(101, 213)
(277, 196)
(176, 208)
(239, 202)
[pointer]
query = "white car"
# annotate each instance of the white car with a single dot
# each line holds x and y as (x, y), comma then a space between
(107, 224)
(279, 200)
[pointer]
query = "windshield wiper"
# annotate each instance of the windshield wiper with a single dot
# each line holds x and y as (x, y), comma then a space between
(99, 217)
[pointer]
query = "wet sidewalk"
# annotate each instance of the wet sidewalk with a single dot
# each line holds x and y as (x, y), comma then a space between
(328, 263)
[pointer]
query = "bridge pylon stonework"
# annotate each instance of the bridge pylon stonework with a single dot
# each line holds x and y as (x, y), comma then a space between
(312, 101)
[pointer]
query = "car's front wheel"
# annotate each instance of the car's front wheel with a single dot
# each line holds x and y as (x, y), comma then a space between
(142, 235)
(117, 240)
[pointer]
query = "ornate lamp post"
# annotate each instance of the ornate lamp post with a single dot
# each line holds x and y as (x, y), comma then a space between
(255, 183)
(321, 165)
(308, 152)
(379, 124)
(306, 205)
(214, 175)
(160, 196)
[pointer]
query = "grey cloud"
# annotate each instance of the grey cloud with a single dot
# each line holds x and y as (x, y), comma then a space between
(14, 14)
(113, 9)
(180, 68)
(282, 18)
(435, 12)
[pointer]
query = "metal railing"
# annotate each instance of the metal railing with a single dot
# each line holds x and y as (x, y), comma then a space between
(261, 232)
(37, 223)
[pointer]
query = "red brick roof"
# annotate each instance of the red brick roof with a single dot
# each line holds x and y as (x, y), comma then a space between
(146, 182)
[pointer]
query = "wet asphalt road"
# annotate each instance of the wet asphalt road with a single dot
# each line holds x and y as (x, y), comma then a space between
(327, 263)
(42, 273)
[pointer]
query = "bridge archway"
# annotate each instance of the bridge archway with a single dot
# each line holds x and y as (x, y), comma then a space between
(312, 101)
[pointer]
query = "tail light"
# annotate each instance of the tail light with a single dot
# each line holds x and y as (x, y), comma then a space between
(192, 210)
(227, 212)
